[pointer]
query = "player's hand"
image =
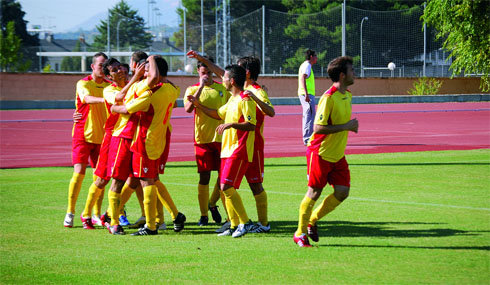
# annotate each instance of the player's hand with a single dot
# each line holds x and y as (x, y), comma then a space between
(139, 70)
(77, 117)
(353, 125)
(265, 89)
(250, 94)
(203, 80)
(193, 100)
(192, 54)
(221, 128)
(307, 98)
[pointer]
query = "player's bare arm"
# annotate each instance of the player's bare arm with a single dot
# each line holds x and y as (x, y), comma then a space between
(89, 99)
(138, 73)
(120, 109)
(244, 126)
(208, 111)
(303, 82)
(267, 109)
(213, 67)
(352, 125)
(189, 107)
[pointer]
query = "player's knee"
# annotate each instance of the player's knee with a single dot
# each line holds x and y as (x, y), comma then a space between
(341, 192)
(204, 178)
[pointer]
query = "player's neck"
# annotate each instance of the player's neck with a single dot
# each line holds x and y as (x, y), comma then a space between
(236, 90)
(97, 79)
(340, 87)
(248, 82)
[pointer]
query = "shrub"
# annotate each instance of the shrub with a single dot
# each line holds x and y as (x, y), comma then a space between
(425, 86)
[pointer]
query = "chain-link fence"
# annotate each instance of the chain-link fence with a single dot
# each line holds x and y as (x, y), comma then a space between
(372, 38)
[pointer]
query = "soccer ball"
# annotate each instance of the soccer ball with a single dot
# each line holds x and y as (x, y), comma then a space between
(188, 68)
(391, 66)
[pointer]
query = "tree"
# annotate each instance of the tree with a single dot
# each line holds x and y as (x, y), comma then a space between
(11, 11)
(73, 63)
(464, 24)
(131, 29)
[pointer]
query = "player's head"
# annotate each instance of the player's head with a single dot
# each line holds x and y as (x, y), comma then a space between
(162, 65)
(340, 69)
(97, 62)
(252, 65)
(204, 72)
(110, 65)
(137, 57)
(125, 69)
(235, 75)
(311, 56)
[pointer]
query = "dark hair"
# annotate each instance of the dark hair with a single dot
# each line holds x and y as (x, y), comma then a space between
(125, 65)
(94, 58)
(309, 53)
(338, 65)
(199, 63)
(252, 64)
(238, 74)
(108, 63)
(162, 65)
(139, 56)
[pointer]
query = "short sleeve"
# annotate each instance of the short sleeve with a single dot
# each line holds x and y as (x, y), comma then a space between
(110, 94)
(222, 111)
(248, 111)
(141, 103)
(323, 111)
(83, 90)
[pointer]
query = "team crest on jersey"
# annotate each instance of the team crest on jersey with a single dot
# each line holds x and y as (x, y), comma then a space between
(221, 94)
(249, 117)
(321, 116)
(145, 169)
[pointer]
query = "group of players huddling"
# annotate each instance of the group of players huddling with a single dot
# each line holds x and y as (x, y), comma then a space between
(123, 125)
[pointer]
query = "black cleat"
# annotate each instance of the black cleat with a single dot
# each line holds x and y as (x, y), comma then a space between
(203, 221)
(179, 222)
(215, 214)
(144, 231)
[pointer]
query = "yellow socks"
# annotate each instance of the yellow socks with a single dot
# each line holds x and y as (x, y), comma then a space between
(98, 205)
(114, 199)
(305, 209)
(74, 190)
(141, 197)
(235, 201)
(167, 201)
(261, 204)
(327, 206)
(215, 195)
(203, 197)
(93, 194)
(125, 195)
(150, 202)
(223, 200)
(159, 216)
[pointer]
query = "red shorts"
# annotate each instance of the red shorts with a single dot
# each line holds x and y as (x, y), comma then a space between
(208, 156)
(232, 171)
(255, 171)
(120, 158)
(82, 150)
(101, 170)
(143, 167)
(162, 161)
(320, 172)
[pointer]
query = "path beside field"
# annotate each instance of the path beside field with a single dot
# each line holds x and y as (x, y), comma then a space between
(37, 138)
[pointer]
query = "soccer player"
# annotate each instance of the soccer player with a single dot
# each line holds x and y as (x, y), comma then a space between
(88, 132)
(237, 146)
(306, 93)
(150, 143)
(255, 172)
(325, 154)
(207, 143)
(112, 70)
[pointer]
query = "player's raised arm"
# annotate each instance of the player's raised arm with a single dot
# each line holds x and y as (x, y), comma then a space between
(213, 67)
(267, 109)
(138, 73)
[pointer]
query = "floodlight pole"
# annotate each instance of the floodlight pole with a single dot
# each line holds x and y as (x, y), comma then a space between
(108, 32)
(202, 28)
(117, 33)
(362, 66)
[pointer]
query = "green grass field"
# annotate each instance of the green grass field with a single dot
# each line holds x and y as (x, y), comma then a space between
(411, 218)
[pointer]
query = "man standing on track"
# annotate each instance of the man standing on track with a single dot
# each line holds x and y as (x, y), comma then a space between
(88, 132)
(207, 142)
(306, 93)
(325, 154)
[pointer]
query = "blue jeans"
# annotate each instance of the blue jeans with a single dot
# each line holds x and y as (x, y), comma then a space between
(309, 113)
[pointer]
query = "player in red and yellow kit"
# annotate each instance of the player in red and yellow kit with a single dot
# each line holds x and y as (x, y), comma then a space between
(255, 172)
(326, 151)
(155, 105)
(207, 142)
(238, 131)
(88, 132)
(113, 71)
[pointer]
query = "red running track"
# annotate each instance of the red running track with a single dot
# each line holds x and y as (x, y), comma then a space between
(37, 138)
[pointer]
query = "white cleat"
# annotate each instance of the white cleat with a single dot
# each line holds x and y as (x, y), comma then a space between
(97, 221)
(68, 222)
(242, 229)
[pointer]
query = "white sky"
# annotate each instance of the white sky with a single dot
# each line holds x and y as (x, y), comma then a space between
(64, 15)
